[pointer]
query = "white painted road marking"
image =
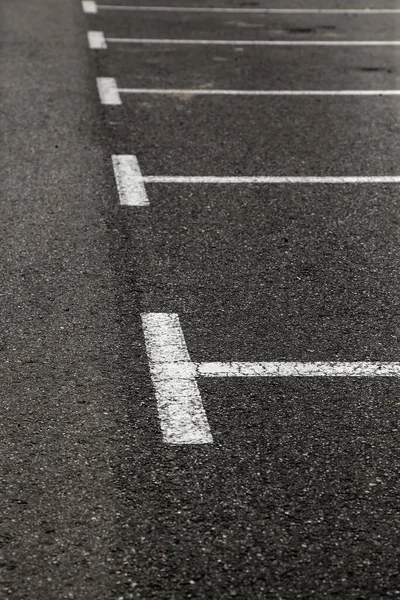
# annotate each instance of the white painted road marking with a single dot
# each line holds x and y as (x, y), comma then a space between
(210, 92)
(129, 180)
(132, 191)
(132, 180)
(108, 91)
(200, 9)
(96, 40)
(173, 373)
(297, 369)
(180, 408)
(89, 6)
(254, 42)
(264, 179)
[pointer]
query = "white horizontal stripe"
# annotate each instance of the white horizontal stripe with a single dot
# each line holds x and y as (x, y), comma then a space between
(262, 179)
(208, 92)
(298, 369)
(96, 40)
(89, 6)
(180, 408)
(129, 180)
(108, 91)
(255, 42)
(199, 9)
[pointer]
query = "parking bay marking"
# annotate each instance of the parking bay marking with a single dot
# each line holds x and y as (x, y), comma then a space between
(110, 93)
(132, 190)
(174, 376)
(90, 6)
(98, 41)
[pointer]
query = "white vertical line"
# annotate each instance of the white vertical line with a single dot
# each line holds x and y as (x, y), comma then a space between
(129, 180)
(89, 6)
(96, 40)
(180, 409)
(108, 91)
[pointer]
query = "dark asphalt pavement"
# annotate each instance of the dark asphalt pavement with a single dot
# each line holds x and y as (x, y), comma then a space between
(297, 498)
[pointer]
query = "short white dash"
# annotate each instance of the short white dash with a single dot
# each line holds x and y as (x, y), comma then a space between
(255, 42)
(180, 408)
(298, 369)
(129, 180)
(97, 41)
(89, 6)
(213, 92)
(108, 91)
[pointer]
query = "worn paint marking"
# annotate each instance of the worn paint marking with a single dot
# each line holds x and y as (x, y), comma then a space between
(108, 91)
(96, 40)
(181, 412)
(180, 409)
(214, 92)
(89, 6)
(255, 42)
(129, 180)
(210, 9)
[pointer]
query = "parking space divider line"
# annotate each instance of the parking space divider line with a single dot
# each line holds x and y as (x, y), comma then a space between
(174, 376)
(236, 179)
(255, 11)
(214, 92)
(298, 369)
(109, 92)
(253, 42)
(132, 192)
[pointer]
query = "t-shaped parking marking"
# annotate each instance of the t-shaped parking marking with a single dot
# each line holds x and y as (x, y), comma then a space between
(131, 183)
(174, 376)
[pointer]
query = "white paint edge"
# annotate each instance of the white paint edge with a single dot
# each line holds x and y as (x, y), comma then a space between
(108, 91)
(262, 179)
(89, 7)
(195, 9)
(96, 40)
(297, 369)
(208, 92)
(129, 180)
(255, 42)
(180, 409)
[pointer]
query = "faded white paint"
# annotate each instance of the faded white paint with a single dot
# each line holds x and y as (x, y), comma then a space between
(173, 373)
(298, 369)
(129, 165)
(255, 42)
(89, 6)
(264, 179)
(213, 92)
(108, 91)
(180, 409)
(129, 180)
(96, 40)
(209, 9)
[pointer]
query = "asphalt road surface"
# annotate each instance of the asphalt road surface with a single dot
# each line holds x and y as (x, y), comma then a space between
(148, 448)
